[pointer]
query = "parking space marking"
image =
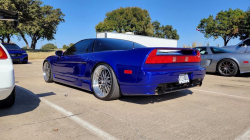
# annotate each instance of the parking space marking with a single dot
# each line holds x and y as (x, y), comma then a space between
(222, 94)
(100, 133)
(244, 136)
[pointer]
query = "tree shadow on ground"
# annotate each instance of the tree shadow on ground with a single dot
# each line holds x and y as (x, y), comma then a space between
(26, 101)
(155, 98)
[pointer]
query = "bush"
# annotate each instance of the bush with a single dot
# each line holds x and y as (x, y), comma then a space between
(48, 46)
(25, 48)
(65, 47)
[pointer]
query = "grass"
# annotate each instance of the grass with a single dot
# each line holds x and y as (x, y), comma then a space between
(40, 54)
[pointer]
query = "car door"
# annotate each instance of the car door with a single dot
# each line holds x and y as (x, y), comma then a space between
(72, 64)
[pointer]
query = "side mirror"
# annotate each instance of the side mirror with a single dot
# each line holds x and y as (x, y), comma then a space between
(59, 53)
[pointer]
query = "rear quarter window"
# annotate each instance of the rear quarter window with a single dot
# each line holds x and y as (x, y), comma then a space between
(112, 44)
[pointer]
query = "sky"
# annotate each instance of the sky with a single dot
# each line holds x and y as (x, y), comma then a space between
(81, 17)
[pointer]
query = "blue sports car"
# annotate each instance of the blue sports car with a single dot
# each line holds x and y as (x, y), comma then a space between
(112, 67)
(16, 53)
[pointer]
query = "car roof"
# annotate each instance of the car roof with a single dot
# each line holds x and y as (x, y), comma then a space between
(8, 43)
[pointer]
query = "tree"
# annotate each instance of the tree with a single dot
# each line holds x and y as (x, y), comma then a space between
(164, 31)
(129, 19)
(6, 30)
(225, 24)
(244, 30)
(194, 44)
(36, 21)
(71, 44)
(48, 46)
(65, 47)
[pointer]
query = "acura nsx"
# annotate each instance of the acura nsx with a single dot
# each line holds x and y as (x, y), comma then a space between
(112, 67)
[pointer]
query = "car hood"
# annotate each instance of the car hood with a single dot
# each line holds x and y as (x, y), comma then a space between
(16, 51)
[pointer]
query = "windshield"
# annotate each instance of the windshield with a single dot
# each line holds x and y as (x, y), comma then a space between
(11, 47)
(220, 50)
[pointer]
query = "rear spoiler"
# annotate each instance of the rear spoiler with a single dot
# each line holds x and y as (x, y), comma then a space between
(173, 55)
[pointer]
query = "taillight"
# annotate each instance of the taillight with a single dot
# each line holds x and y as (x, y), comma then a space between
(153, 58)
(3, 55)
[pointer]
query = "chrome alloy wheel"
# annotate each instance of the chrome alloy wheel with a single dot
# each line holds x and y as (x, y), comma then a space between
(102, 81)
(226, 68)
(46, 71)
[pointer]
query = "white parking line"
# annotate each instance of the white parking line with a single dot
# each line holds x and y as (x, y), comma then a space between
(221, 94)
(244, 136)
(100, 133)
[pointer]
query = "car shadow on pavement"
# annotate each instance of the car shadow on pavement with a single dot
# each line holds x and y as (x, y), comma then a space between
(26, 101)
(155, 98)
(243, 75)
(16, 63)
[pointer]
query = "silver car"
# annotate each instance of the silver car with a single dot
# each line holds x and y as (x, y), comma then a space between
(223, 61)
(242, 47)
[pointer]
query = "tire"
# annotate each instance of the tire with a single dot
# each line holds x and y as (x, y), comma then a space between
(47, 73)
(227, 67)
(104, 83)
(9, 101)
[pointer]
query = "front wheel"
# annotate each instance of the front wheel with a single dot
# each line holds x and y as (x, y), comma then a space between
(227, 67)
(104, 83)
(47, 73)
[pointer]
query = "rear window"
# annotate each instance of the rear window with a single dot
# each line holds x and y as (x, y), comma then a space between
(112, 44)
(11, 46)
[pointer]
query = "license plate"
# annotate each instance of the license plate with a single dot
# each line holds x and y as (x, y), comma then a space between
(183, 78)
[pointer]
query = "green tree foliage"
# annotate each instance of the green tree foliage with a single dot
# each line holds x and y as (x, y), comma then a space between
(129, 19)
(48, 46)
(164, 31)
(65, 47)
(244, 30)
(6, 30)
(35, 20)
(225, 24)
(71, 44)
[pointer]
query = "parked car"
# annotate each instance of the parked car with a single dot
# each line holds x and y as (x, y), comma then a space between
(223, 61)
(112, 67)
(242, 47)
(7, 80)
(17, 54)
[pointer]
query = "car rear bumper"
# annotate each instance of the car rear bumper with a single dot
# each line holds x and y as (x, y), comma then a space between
(7, 80)
(163, 82)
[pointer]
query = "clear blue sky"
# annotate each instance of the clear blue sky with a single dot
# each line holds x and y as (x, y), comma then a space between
(81, 17)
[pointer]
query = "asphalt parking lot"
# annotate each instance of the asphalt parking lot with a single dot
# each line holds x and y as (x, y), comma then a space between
(220, 109)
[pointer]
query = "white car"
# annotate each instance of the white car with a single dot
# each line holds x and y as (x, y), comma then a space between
(7, 79)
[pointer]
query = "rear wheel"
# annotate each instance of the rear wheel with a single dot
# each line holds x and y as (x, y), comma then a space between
(47, 73)
(227, 67)
(104, 83)
(9, 101)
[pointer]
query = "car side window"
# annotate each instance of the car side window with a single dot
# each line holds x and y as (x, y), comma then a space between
(202, 50)
(112, 44)
(219, 50)
(247, 42)
(80, 47)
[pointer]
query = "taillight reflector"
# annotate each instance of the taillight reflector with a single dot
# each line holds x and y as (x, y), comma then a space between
(245, 62)
(128, 71)
(3, 55)
(153, 58)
